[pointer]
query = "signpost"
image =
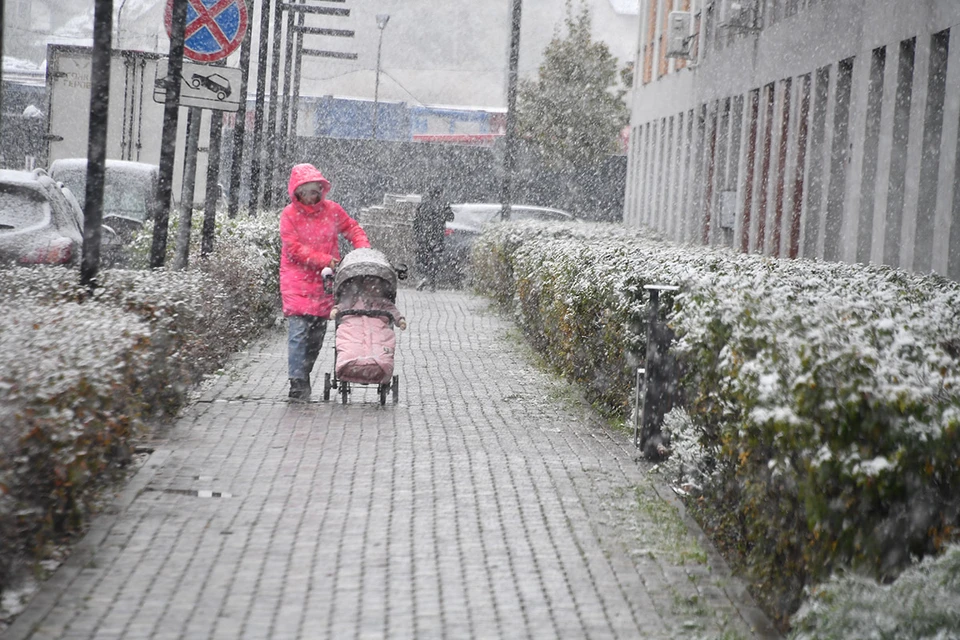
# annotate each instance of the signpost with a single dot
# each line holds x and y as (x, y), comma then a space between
(214, 28)
(203, 85)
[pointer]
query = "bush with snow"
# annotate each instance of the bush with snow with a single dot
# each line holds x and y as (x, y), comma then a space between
(829, 391)
(924, 602)
(82, 372)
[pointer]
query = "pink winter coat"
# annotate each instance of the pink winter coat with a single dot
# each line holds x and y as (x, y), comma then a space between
(309, 241)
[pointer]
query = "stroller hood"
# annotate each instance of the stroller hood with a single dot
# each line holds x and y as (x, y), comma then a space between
(366, 262)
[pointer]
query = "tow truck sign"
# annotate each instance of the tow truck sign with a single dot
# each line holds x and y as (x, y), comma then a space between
(202, 85)
(213, 30)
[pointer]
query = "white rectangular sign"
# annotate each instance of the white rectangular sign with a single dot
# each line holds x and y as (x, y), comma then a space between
(202, 85)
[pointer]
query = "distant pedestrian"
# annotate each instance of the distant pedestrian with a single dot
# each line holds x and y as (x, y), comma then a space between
(310, 227)
(428, 227)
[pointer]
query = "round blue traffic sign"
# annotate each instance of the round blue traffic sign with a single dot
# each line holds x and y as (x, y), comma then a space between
(213, 29)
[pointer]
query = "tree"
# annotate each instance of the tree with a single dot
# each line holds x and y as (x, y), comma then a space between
(574, 112)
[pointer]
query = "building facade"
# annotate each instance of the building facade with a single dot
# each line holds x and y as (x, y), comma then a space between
(800, 128)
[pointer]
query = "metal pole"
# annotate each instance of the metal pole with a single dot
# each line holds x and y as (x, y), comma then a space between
(287, 84)
(509, 153)
(2, 9)
(213, 184)
(168, 142)
(637, 404)
(119, 13)
(239, 130)
(258, 109)
(376, 88)
(382, 20)
(96, 140)
(657, 378)
(188, 183)
(297, 65)
(269, 188)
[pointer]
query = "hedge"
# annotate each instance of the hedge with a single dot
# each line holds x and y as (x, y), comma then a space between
(824, 396)
(83, 373)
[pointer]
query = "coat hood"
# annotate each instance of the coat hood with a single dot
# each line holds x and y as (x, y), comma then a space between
(303, 173)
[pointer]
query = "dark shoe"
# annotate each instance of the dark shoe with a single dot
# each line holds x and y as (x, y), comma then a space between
(299, 390)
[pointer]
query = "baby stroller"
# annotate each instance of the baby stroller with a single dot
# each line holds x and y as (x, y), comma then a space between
(364, 339)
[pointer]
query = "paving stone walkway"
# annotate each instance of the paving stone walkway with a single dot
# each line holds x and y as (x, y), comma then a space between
(489, 502)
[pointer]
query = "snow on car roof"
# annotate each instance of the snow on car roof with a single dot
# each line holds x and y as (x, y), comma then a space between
(17, 177)
(496, 206)
(126, 165)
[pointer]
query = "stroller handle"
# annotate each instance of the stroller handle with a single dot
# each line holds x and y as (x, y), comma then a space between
(327, 275)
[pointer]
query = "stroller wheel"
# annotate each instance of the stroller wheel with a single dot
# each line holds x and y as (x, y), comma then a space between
(326, 387)
(344, 391)
(382, 388)
(396, 389)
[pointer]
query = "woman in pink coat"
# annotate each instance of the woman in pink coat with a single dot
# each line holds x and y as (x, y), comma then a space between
(309, 230)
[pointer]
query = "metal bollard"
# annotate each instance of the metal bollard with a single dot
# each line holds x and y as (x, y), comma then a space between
(657, 376)
(637, 400)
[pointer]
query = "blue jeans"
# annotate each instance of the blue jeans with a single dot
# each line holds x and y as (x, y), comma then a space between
(304, 339)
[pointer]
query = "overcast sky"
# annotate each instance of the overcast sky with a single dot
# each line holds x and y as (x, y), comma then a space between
(435, 52)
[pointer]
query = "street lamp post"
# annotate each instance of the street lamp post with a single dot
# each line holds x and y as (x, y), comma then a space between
(382, 20)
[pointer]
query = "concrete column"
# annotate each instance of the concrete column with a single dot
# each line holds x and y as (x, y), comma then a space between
(689, 173)
(699, 175)
(911, 189)
(946, 182)
(774, 194)
(748, 165)
(741, 172)
(646, 203)
(859, 97)
(720, 168)
(790, 168)
(630, 193)
(669, 154)
(680, 169)
(824, 158)
(734, 160)
(884, 153)
(761, 176)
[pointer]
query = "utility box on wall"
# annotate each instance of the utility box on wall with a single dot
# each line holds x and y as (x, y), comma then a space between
(739, 15)
(679, 38)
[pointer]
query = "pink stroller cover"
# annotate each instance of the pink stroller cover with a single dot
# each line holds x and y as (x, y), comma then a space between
(365, 349)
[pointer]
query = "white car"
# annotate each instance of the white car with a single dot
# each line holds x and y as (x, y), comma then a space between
(469, 219)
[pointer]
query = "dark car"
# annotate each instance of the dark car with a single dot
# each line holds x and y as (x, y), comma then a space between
(40, 223)
(469, 219)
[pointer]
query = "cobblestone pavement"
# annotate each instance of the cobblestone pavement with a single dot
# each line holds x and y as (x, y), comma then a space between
(489, 502)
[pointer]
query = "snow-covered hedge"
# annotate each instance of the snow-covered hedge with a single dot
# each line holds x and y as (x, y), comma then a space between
(924, 602)
(82, 373)
(825, 395)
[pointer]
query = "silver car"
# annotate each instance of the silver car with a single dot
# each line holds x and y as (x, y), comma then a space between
(40, 222)
(469, 219)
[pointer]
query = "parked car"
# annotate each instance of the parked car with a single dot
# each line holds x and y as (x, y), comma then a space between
(129, 191)
(40, 222)
(469, 219)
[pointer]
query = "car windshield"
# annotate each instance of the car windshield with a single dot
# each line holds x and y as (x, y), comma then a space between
(21, 207)
(123, 194)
